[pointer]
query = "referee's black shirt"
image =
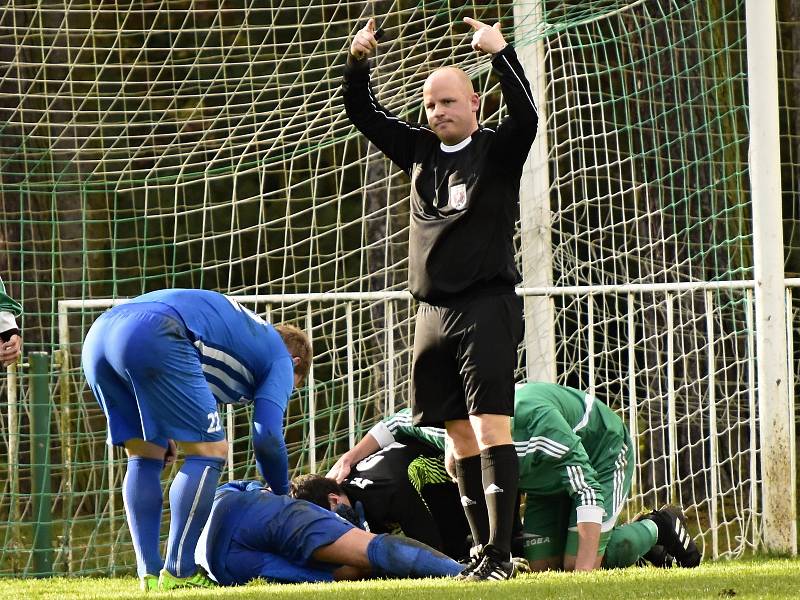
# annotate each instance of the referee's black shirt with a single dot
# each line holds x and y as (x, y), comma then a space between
(464, 203)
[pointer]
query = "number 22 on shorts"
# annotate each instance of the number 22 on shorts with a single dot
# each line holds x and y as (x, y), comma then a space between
(215, 425)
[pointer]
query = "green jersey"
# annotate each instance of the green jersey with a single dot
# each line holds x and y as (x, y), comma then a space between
(9, 309)
(398, 426)
(567, 441)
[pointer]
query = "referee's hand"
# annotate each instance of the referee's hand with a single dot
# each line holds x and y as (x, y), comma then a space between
(364, 44)
(485, 38)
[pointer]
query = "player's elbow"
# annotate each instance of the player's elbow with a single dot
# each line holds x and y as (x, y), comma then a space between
(520, 132)
(267, 437)
(269, 443)
(529, 126)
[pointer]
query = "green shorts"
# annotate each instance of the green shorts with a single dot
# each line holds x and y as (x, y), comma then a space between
(550, 521)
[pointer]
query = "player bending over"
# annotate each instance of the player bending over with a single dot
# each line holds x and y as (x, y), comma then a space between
(253, 533)
(158, 365)
(465, 182)
(576, 466)
(403, 487)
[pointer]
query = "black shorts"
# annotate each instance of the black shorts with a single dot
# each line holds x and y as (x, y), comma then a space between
(464, 359)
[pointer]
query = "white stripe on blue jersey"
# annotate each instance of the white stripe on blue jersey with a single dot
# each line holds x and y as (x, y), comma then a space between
(229, 361)
(220, 393)
(229, 380)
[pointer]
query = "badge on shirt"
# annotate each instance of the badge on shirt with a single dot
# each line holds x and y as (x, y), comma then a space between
(458, 196)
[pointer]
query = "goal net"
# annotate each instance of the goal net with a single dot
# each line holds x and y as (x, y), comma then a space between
(189, 143)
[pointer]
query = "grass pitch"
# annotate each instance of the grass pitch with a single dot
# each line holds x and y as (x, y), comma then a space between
(762, 578)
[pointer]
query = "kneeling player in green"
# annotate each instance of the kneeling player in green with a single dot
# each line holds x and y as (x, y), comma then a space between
(576, 466)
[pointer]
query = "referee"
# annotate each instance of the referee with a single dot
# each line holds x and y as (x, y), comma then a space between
(464, 204)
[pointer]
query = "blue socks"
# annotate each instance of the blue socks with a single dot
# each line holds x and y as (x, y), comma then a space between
(404, 557)
(190, 498)
(141, 492)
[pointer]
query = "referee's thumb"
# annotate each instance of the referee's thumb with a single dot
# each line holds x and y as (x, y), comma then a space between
(496, 26)
(371, 25)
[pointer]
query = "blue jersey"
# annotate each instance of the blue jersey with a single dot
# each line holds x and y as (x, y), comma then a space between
(252, 533)
(243, 356)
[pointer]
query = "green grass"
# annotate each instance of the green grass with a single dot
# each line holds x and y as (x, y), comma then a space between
(756, 578)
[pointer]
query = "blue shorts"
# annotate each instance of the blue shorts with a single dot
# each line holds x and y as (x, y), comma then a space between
(257, 534)
(147, 377)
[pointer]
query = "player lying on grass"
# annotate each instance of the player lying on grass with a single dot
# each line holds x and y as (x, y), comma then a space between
(402, 487)
(576, 465)
(253, 533)
(158, 365)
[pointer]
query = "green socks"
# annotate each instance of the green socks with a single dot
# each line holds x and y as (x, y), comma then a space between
(629, 542)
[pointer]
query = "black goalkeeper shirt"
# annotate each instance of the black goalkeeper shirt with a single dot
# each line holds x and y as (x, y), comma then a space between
(382, 483)
(464, 198)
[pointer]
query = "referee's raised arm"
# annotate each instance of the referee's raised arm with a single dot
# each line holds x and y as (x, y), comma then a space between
(517, 131)
(364, 43)
(393, 136)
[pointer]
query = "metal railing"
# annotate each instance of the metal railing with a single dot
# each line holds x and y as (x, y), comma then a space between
(41, 405)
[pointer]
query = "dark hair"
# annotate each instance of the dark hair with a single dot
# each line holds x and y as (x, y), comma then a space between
(299, 346)
(314, 488)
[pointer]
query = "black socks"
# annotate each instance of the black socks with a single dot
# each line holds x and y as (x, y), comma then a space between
(470, 488)
(488, 486)
(500, 478)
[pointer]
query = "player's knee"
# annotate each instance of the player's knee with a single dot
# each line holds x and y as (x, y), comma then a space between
(137, 447)
(462, 437)
(211, 449)
(622, 553)
(552, 563)
(491, 430)
(218, 449)
(495, 438)
(450, 464)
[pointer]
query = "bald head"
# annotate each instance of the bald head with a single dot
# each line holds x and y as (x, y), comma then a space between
(449, 76)
(451, 104)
